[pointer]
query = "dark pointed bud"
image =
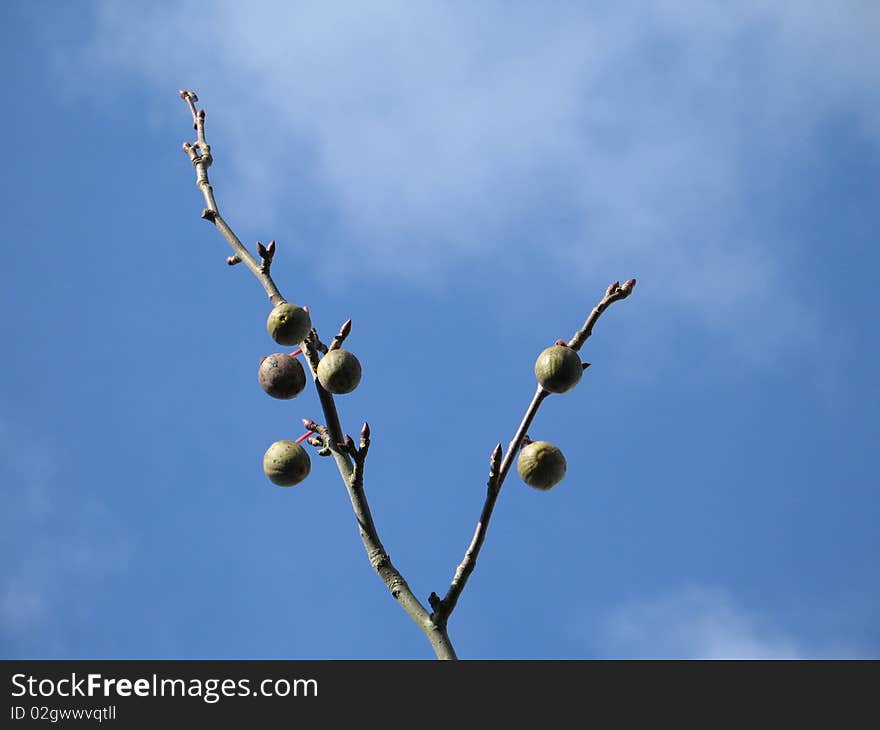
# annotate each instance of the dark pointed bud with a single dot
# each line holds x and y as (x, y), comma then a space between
(208, 215)
(310, 424)
(585, 365)
(270, 249)
(612, 288)
(525, 441)
(346, 328)
(629, 285)
(365, 431)
(261, 250)
(495, 460)
(434, 601)
(202, 113)
(233, 260)
(349, 443)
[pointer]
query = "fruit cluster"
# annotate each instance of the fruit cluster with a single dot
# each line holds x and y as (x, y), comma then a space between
(286, 463)
(282, 376)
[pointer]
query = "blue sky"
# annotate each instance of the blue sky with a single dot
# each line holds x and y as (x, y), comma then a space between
(463, 181)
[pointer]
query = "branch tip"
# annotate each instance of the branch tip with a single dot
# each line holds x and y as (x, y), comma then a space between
(495, 459)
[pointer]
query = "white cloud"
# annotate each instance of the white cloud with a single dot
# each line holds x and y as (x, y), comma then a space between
(435, 136)
(700, 623)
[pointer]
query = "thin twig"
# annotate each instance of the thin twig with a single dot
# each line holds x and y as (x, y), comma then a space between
(443, 608)
(349, 460)
(200, 155)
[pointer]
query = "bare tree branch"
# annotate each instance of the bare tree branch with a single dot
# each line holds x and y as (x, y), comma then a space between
(200, 155)
(349, 460)
(443, 608)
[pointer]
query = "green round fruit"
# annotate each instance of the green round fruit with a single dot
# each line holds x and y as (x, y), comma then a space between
(541, 465)
(288, 324)
(558, 369)
(282, 376)
(286, 463)
(339, 372)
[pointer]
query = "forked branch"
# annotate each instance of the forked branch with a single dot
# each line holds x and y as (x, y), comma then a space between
(351, 458)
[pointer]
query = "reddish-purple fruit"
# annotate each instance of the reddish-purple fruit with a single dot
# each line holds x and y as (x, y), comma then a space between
(339, 372)
(286, 463)
(282, 376)
(541, 465)
(288, 324)
(558, 369)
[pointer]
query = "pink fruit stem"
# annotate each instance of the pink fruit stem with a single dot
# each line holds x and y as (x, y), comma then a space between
(304, 436)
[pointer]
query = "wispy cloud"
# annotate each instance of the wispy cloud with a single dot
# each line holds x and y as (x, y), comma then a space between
(701, 623)
(422, 138)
